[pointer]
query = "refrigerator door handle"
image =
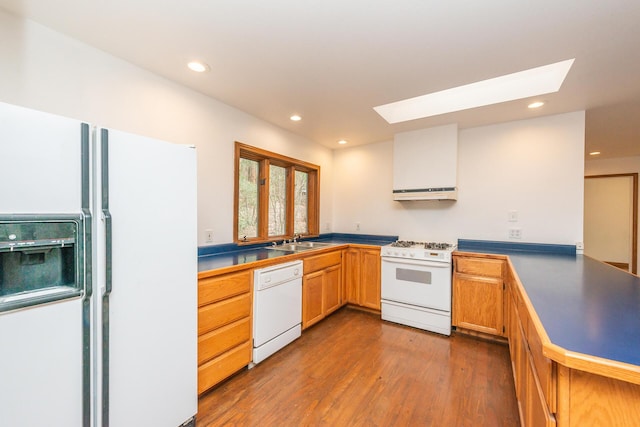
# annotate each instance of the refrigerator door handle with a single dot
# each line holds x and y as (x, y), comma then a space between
(86, 209)
(104, 157)
(87, 268)
(108, 234)
(105, 208)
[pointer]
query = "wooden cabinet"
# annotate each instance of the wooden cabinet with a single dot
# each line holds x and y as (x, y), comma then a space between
(321, 287)
(332, 290)
(224, 326)
(478, 293)
(312, 298)
(362, 277)
(370, 279)
(351, 268)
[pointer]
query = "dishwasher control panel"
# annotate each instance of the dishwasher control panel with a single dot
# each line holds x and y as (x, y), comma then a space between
(274, 275)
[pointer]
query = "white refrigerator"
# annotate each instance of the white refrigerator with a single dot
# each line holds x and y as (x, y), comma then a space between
(98, 276)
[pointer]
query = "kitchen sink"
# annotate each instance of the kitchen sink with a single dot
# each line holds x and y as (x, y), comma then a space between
(299, 246)
(288, 247)
(313, 244)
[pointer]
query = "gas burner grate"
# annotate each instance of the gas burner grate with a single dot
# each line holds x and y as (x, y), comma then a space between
(420, 245)
(404, 244)
(437, 245)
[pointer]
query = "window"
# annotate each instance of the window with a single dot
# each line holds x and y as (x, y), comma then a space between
(276, 197)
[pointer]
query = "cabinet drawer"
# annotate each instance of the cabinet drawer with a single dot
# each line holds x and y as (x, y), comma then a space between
(218, 341)
(544, 367)
(479, 266)
(216, 370)
(221, 313)
(216, 288)
(320, 262)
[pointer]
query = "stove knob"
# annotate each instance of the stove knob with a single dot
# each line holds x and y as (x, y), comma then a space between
(404, 254)
(412, 254)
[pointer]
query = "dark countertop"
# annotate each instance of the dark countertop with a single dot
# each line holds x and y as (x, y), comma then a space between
(584, 305)
(232, 255)
(227, 259)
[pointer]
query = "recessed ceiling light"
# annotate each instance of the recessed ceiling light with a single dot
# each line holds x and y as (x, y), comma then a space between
(198, 67)
(536, 104)
(594, 153)
(295, 118)
(523, 84)
(342, 142)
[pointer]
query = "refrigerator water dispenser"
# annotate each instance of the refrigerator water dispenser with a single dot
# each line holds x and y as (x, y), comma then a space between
(41, 259)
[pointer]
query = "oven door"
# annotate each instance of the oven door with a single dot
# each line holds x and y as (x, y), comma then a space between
(420, 283)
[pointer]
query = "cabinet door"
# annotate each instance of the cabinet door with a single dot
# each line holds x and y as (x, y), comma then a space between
(370, 279)
(352, 275)
(477, 303)
(514, 337)
(332, 281)
(312, 300)
(521, 377)
(536, 413)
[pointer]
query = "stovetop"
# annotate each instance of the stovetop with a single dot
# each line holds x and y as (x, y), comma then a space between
(428, 251)
(423, 245)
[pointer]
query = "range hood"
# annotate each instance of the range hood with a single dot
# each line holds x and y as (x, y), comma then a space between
(425, 164)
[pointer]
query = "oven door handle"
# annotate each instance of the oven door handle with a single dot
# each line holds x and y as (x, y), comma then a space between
(418, 263)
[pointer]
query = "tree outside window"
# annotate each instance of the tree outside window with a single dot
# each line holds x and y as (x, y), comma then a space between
(276, 196)
(248, 199)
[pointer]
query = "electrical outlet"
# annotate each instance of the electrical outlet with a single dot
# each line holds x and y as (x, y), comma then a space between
(515, 233)
(513, 216)
(580, 246)
(208, 236)
(357, 226)
(327, 226)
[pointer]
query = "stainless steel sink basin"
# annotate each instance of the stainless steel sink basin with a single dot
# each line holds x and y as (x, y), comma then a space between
(284, 247)
(313, 244)
(299, 246)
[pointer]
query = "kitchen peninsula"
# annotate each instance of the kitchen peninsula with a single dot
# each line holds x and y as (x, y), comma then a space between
(573, 329)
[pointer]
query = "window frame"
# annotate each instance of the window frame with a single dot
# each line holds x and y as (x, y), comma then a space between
(265, 159)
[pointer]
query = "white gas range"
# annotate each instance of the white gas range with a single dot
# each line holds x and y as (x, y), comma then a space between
(416, 284)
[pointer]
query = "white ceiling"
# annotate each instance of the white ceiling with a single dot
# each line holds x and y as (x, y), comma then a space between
(332, 61)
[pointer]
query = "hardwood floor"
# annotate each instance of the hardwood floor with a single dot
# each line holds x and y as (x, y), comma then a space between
(354, 369)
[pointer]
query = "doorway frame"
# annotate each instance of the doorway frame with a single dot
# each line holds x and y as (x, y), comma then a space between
(634, 225)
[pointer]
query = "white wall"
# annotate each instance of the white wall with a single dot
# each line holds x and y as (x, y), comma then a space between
(45, 70)
(612, 167)
(532, 166)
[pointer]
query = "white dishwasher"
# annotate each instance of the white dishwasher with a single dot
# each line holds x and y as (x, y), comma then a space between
(277, 308)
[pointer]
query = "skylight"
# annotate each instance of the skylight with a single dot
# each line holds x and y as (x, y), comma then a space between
(523, 84)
